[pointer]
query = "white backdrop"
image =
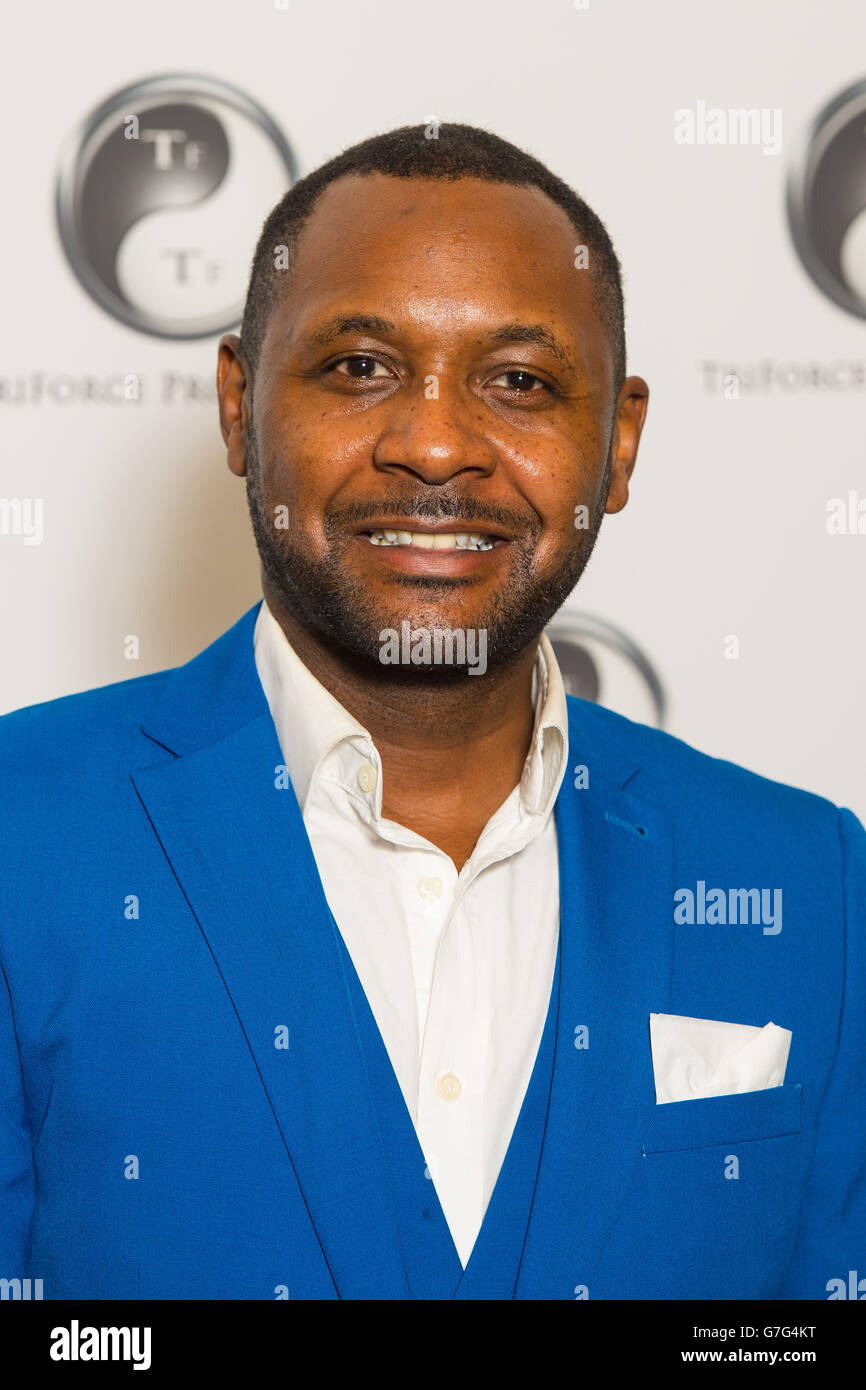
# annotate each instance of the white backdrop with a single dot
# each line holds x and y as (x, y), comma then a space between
(145, 531)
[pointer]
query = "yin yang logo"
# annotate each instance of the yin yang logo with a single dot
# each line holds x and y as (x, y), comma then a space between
(826, 198)
(601, 663)
(161, 196)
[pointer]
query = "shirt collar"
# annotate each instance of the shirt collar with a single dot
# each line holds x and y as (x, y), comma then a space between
(546, 759)
(311, 723)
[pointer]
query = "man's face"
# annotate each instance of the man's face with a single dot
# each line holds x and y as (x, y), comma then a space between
(436, 368)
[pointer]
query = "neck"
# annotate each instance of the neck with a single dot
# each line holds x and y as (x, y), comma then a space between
(451, 752)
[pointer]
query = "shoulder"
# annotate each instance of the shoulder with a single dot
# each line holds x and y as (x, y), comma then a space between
(79, 728)
(706, 790)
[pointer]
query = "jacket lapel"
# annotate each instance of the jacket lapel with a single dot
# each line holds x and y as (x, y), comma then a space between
(239, 850)
(616, 923)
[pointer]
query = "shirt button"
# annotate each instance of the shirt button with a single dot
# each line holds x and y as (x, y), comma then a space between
(367, 777)
(429, 887)
(448, 1087)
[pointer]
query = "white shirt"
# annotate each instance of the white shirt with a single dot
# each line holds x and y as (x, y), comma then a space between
(457, 968)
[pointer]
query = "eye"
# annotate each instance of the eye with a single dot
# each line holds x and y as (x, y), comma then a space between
(518, 380)
(360, 368)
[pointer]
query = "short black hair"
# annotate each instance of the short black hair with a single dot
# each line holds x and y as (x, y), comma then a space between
(411, 152)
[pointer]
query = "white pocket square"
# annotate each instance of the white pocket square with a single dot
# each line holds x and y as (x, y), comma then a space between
(698, 1057)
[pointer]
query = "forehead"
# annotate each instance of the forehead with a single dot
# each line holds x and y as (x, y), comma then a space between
(448, 252)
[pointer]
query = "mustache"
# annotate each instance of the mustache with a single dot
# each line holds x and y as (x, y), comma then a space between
(428, 506)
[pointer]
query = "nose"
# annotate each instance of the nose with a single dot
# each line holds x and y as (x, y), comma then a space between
(434, 432)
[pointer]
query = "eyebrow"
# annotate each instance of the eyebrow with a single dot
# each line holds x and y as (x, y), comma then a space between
(533, 333)
(371, 323)
(350, 323)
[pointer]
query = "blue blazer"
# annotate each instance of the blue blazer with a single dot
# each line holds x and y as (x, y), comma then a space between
(195, 1101)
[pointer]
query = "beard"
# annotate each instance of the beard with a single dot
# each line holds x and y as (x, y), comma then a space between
(327, 599)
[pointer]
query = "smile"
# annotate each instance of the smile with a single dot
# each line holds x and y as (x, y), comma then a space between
(429, 540)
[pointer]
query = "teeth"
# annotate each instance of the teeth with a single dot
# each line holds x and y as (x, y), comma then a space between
(428, 540)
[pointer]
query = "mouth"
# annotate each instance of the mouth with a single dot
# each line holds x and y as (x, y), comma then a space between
(406, 546)
(408, 534)
(426, 540)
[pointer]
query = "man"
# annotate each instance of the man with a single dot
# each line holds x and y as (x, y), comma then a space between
(353, 959)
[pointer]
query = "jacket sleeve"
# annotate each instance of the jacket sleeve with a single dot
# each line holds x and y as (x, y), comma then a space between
(17, 1182)
(831, 1242)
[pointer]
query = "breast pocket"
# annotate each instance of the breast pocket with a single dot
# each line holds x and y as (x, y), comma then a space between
(737, 1119)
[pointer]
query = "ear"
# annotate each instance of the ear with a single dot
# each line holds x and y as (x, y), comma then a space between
(631, 408)
(234, 391)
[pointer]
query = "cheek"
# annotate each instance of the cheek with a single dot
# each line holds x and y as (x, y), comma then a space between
(561, 481)
(306, 461)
